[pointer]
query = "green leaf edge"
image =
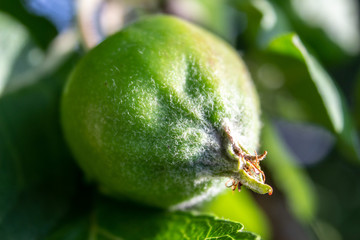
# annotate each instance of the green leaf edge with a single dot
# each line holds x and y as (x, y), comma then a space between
(335, 105)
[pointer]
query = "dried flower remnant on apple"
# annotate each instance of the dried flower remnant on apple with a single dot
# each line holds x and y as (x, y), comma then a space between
(249, 171)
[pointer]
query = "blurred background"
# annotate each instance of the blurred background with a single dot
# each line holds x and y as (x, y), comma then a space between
(303, 56)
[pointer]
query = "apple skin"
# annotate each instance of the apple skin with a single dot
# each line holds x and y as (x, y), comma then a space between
(143, 112)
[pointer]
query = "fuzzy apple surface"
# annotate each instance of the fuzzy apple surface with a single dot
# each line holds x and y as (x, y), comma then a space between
(158, 113)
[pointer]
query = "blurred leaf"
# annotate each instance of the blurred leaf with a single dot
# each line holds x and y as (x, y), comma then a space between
(290, 45)
(264, 20)
(240, 207)
(357, 102)
(338, 20)
(333, 103)
(12, 39)
(37, 174)
(40, 28)
(316, 35)
(337, 187)
(217, 16)
(25, 75)
(290, 178)
(213, 15)
(325, 231)
(116, 220)
(37, 211)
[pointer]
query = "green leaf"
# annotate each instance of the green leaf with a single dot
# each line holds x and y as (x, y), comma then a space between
(37, 173)
(119, 220)
(213, 15)
(339, 27)
(327, 94)
(357, 102)
(12, 39)
(267, 19)
(264, 21)
(36, 211)
(231, 205)
(40, 28)
(288, 176)
(318, 30)
(338, 200)
(291, 45)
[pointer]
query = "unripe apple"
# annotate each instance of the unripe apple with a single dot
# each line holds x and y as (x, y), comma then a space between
(162, 113)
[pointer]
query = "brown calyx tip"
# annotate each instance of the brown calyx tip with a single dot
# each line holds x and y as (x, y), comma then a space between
(270, 192)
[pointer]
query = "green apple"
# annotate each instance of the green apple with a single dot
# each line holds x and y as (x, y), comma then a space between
(163, 113)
